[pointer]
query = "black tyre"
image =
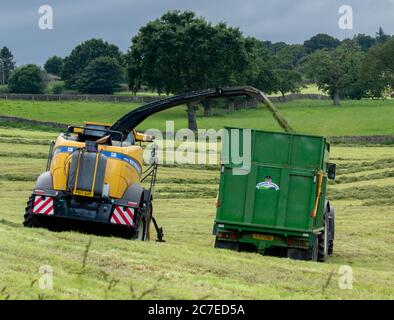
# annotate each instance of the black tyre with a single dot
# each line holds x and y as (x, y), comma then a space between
(29, 220)
(143, 226)
(323, 240)
(141, 230)
(331, 230)
(330, 247)
(149, 212)
(313, 254)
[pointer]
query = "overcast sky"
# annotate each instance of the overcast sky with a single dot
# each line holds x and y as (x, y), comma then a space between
(117, 21)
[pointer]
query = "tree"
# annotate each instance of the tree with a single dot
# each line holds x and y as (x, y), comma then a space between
(364, 41)
(320, 41)
(259, 67)
(54, 65)
(287, 81)
(7, 64)
(337, 71)
(102, 75)
(181, 52)
(286, 77)
(273, 48)
(26, 79)
(290, 56)
(386, 63)
(83, 54)
(381, 37)
(377, 71)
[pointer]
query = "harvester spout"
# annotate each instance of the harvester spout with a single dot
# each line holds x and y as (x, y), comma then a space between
(129, 121)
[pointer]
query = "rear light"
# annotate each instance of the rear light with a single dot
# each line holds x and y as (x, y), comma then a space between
(46, 192)
(132, 204)
(227, 235)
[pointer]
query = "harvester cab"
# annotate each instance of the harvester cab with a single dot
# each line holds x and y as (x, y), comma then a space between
(95, 179)
(93, 183)
(102, 134)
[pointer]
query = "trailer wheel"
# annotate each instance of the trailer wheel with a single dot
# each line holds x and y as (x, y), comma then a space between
(29, 218)
(323, 239)
(331, 231)
(314, 252)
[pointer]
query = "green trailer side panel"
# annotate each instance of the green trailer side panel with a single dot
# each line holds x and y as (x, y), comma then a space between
(234, 184)
(299, 201)
(289, 162)
(266, 201)
(271, 147)
(307, 152)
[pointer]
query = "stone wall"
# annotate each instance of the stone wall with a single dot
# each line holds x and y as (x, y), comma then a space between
(137, 99)
(78, 97)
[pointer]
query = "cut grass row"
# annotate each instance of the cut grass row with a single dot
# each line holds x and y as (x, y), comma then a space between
(187, 266)
(355, 170)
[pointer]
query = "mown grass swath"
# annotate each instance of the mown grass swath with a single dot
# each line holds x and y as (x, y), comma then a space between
(187, 266)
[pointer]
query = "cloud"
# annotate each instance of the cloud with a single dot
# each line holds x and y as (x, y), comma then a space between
(117, 21)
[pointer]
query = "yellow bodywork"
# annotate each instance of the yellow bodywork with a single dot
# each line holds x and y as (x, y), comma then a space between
(119, 174)
(101, 124)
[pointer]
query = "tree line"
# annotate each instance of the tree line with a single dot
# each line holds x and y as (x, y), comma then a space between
(181, 51)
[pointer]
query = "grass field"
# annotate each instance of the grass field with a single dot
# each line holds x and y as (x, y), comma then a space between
(364, 117)
(187, 266)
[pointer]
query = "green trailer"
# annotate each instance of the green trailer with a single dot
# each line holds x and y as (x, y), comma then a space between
(275, 204)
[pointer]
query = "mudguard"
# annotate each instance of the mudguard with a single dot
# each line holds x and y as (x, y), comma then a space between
(133, 193)
(44, 181)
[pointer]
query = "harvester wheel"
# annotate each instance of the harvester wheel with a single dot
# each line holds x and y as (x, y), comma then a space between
(141, 229)
(29, 218)
(149, 211)
(144, 223)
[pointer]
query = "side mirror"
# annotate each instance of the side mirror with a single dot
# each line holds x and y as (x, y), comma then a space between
(331, 168)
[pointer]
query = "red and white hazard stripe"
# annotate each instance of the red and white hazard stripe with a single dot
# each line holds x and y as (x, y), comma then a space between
(123, 215)
(43, 205)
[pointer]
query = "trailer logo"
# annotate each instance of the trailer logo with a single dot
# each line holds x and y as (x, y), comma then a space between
(267, 184)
